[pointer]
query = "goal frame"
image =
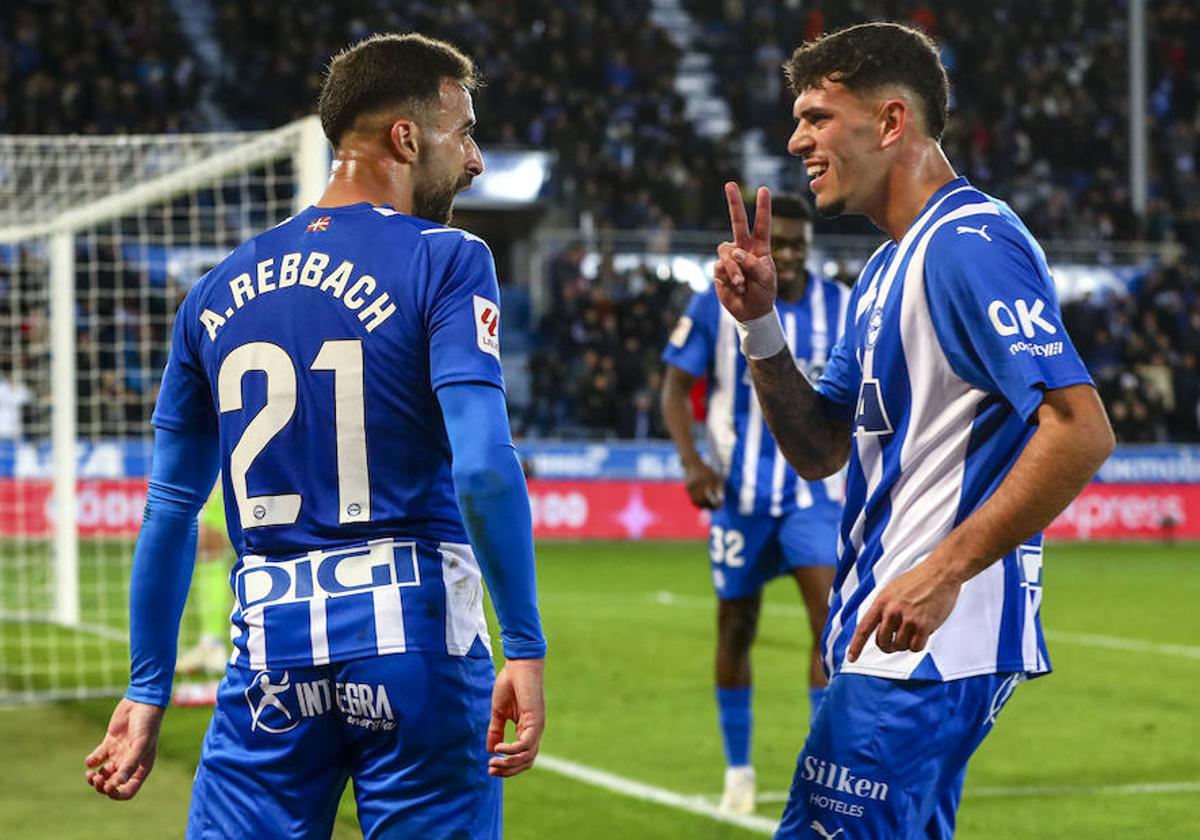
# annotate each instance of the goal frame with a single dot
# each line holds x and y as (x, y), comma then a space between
(310, 163)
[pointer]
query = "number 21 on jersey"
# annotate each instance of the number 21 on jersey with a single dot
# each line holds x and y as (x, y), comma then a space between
(342, 357)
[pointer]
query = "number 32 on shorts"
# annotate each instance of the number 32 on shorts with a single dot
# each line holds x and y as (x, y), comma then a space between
(726, 546)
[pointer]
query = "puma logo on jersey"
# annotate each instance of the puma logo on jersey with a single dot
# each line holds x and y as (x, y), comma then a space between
(982, 231)
(820, 829)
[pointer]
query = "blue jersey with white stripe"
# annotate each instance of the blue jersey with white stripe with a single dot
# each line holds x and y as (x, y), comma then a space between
(316, 349)
(705, 344)
(952, 337)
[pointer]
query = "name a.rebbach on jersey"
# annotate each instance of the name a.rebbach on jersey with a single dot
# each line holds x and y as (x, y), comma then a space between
(354, 288)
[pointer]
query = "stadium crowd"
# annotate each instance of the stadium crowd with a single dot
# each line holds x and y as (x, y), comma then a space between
(1038, 117)
(95, 67)
(596, 371)
(1039, 99)
(590, 80)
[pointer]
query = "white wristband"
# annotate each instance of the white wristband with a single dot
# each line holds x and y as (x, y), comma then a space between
(762, 337)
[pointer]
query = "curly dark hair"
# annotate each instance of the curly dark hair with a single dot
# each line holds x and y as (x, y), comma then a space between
(388, 71)
(871, 56)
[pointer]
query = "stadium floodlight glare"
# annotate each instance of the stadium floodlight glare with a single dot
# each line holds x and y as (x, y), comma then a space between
(99, 239)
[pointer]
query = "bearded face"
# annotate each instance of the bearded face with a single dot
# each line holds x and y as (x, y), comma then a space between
(449, 158)
(434, 192)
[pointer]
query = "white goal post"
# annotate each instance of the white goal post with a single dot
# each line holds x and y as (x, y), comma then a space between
(99, 239)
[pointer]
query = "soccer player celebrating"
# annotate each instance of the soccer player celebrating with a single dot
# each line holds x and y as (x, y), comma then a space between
(766, 521)
(968, 419)
(343, 371)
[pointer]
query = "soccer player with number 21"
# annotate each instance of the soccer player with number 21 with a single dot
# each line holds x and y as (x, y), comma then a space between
(968, 420)
(342, 370)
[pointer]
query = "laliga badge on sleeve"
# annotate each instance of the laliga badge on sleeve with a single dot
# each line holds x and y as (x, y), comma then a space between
(683, 329)
(487, 326)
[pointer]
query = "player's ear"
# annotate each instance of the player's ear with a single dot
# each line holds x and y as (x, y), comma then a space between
(893, 118)
(405, 140)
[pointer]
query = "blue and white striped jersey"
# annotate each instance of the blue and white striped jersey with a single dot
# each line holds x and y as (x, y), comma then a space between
(954, 333)
(315, 349)
(741, 448)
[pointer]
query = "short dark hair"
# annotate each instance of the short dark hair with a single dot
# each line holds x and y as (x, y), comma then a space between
(787, 205)
(870, 56)
(386, 71)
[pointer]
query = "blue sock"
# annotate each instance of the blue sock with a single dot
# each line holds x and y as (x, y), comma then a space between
(815, 696)
(733, 712)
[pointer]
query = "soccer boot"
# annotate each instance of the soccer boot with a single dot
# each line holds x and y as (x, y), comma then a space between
(738, 797)
(209, 656)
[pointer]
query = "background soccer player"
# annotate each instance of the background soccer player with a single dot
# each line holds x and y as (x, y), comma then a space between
(766, 520)
(210, 590)
(343, 370)
(969, 421)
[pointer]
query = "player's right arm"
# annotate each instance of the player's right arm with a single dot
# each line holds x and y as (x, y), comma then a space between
(688, 355)
(814, 442)
(704, 485)
(464, 362)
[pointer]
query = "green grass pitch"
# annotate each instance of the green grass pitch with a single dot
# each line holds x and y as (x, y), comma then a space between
(629, 689)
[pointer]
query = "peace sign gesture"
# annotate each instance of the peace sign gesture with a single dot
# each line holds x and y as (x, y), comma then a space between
(745, 273)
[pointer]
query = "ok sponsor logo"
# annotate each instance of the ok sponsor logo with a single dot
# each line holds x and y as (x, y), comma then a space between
(326, 574)
(1021, 317)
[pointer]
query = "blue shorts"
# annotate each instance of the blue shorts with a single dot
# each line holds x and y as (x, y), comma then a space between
(748, 552)
(887, 758)
(408, 728)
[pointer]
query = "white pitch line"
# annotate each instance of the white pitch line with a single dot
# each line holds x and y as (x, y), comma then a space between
(670, 599)
(1116, 643)
(1085, 790)
(111, 634)
(699, 805)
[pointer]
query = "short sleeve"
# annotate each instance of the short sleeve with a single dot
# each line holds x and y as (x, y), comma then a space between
(839, 383)
(464, 318)
(996, 314)
(185, 402)
(693, 341)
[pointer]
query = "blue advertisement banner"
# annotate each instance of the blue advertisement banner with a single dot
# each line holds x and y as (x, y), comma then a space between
(613, 460)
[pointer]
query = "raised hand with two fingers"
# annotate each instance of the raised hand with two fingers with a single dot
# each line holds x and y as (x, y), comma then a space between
(745, 273)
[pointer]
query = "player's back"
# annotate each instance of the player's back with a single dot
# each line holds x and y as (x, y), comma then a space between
(322, 342)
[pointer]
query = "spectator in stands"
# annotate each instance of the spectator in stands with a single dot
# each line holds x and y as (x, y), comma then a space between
(14, 396)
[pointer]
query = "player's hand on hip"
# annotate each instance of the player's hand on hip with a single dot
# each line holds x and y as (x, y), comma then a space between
(907, 610)
(745, 273)
(120, 764)
(518, 697)
(704, 486)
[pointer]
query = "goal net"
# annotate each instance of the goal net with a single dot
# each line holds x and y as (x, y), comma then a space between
(100, 239)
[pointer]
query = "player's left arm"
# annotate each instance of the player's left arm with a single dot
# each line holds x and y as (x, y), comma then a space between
(183, 466)
(1072, 441)
(993, 305)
